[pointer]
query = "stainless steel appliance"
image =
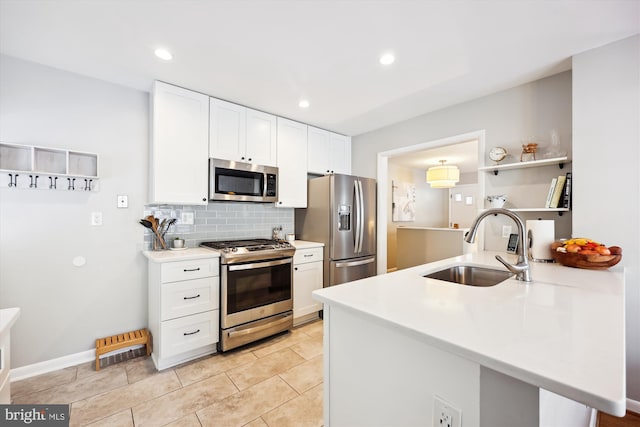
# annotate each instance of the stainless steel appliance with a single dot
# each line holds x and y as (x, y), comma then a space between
(243, 182)
(256, 289)
(341, 213)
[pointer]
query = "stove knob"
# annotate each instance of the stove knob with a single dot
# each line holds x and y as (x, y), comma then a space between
(234, 249)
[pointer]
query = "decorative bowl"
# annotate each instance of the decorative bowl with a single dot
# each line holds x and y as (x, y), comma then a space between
(591, 261)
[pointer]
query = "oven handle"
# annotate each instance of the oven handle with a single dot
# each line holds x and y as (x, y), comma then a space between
(247, 331)
(237, 267)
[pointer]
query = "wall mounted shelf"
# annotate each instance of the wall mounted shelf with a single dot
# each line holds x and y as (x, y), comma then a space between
(560, 161)
(78, 170)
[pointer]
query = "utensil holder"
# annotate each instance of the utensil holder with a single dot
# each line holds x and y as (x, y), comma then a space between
(157, 243)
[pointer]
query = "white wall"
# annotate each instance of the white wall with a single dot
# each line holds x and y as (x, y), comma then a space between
(65, 308)
(606, 129)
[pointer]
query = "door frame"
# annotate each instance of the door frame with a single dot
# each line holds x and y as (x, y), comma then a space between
(383, 176)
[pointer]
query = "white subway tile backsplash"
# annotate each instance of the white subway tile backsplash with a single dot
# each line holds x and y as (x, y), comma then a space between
(222, 221)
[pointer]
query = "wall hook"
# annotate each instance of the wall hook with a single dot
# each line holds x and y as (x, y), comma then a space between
(10, 180)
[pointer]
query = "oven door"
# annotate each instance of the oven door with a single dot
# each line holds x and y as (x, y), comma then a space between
(255, 290)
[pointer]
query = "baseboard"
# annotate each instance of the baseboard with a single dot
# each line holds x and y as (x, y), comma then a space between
(51, 365)
(633, 406)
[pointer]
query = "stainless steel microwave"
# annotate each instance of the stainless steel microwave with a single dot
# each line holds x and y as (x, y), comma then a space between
(242, 182)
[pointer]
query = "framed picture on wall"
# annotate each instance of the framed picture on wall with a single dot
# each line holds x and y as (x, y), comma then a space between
(403, 201)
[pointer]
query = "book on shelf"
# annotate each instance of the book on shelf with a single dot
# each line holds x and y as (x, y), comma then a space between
(552, 188)
(558, 191)
(566, 197)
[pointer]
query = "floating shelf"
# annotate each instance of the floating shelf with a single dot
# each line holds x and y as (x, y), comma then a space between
(560, 161)
(31, 163)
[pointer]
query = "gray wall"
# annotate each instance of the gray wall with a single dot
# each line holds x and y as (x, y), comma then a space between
(65, 308)
(604, 105)
(606, 99)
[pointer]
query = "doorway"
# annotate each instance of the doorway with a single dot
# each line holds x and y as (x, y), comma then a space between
(385, 190)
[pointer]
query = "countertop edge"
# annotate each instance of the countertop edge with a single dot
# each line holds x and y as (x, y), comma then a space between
(187, 254)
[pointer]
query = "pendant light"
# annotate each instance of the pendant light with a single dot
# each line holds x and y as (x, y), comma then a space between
(443, 176)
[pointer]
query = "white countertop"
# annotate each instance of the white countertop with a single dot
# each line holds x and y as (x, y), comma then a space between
(180, 255)
(303, 244)
(404, 227)
(8, 317)
(563, 332)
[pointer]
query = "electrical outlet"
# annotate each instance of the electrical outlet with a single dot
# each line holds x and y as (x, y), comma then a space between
(506, 231)
(444, 414)
(123, 202)
(96, 218)
(186, 218)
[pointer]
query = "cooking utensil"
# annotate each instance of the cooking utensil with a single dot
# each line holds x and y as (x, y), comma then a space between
(152, 223)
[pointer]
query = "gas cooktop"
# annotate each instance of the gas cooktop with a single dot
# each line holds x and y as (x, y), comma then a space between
(235, 251)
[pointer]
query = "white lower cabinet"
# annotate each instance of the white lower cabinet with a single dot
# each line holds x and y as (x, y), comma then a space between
(307, 277)
(184, 310)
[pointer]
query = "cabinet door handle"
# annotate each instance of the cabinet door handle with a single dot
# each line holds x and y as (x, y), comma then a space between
(191, 333)
(307, 255)
(192, 269)
(197, 296)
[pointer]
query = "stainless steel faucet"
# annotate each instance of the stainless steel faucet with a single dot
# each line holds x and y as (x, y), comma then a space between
(521, 268)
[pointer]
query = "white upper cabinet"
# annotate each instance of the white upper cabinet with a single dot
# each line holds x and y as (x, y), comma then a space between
(261, 138)
(241, 134)
(292, 164)
(228, 130)
(328, 152)
(179, 152)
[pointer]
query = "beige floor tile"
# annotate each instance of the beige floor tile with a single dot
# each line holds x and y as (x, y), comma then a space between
(313, 329)
(278, 343)
(244, 407)
(114, 401)
(304, 376)
(139, 369)
(303, 411)
(190, 420)
(309, 348)
(255, 372)
(213, 365)
(121, 419)
(83, 388)
(258, 422)
(173, 406)
(44, 381)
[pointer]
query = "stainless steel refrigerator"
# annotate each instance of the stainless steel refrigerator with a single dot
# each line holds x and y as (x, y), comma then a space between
(341, 213)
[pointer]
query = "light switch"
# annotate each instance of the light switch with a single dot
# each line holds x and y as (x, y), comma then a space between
(123, 202)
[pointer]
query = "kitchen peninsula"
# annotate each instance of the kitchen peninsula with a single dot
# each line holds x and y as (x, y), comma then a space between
(483, 350)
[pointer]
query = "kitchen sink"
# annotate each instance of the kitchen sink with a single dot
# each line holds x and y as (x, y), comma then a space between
(471, 275)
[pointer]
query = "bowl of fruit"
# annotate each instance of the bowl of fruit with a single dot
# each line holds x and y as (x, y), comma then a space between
(585, 253)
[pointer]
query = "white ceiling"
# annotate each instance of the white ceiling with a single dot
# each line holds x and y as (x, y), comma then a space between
(268, 54)
(464, 155)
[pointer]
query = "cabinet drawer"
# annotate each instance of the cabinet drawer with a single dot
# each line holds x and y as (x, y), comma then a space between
(185, 270)
(307, 255)
(187, 297)
(189, 333)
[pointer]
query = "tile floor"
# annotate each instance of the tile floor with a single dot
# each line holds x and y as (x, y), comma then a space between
(272, 383)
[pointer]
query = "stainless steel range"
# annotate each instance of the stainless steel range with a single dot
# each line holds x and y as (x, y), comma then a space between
(256, 289)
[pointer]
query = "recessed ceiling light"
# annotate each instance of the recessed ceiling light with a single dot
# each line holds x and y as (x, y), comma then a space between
(303, 104)
(387, 59)
(163, 54)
